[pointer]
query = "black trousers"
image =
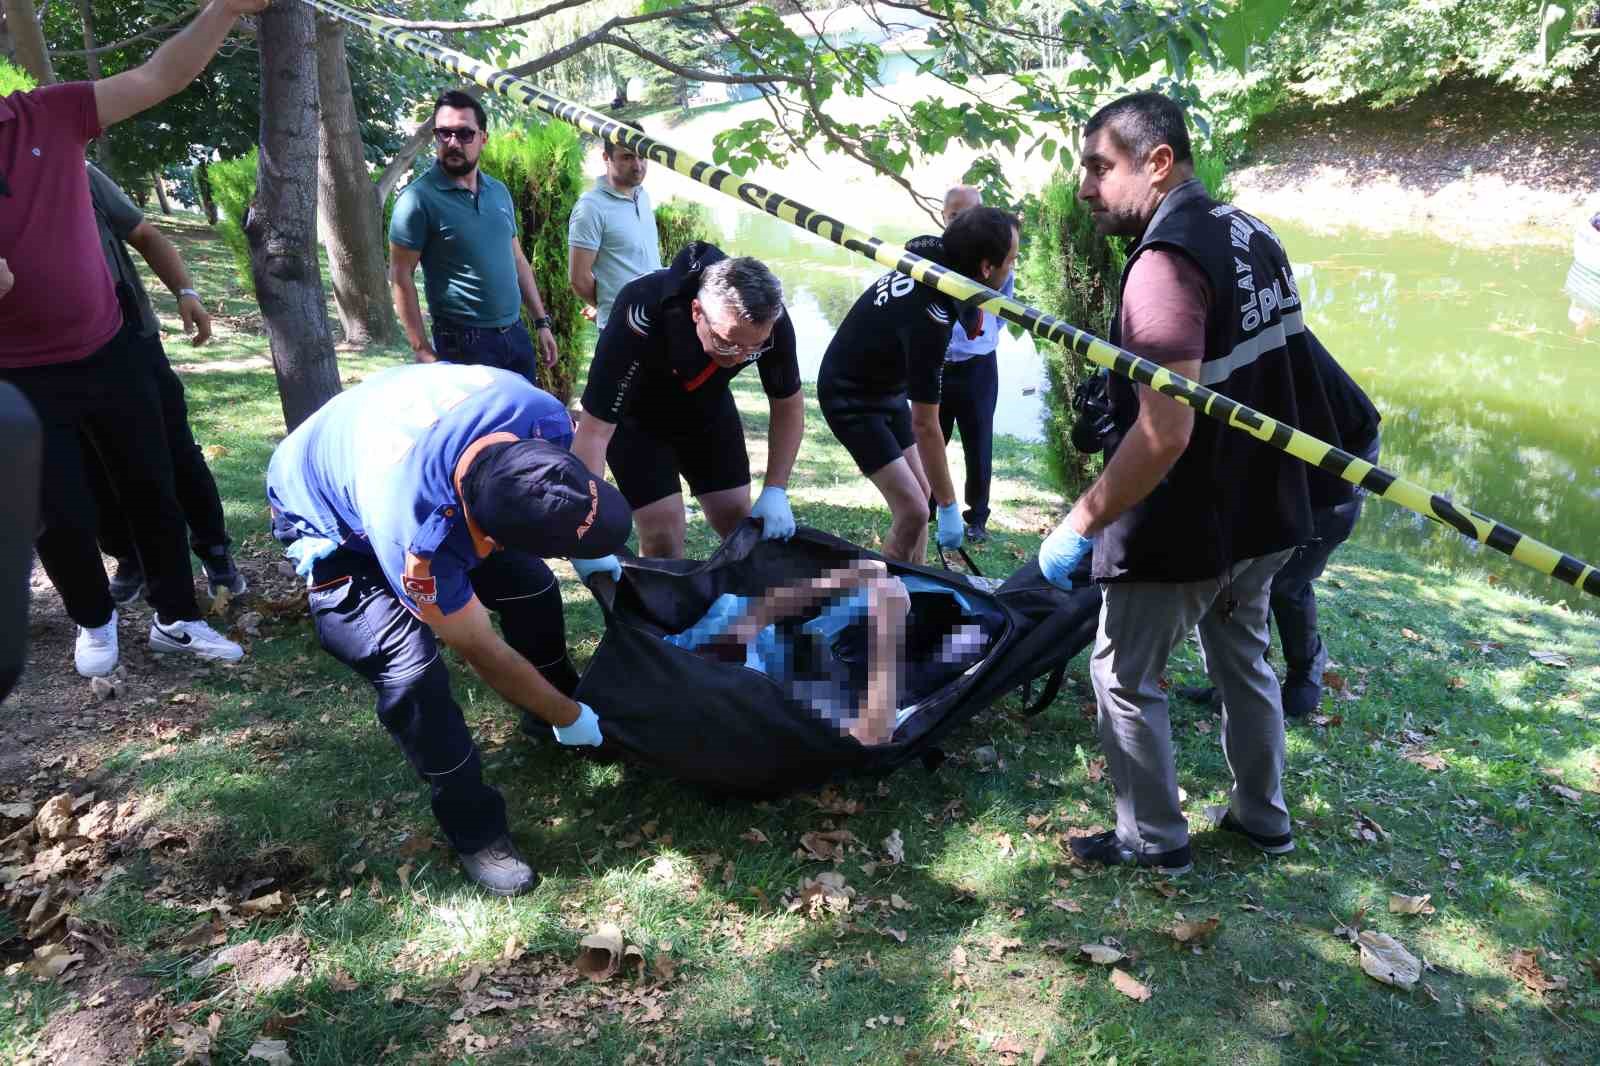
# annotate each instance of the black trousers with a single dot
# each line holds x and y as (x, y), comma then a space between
(1294, 601)
(19, 521)
(112, 398)
(196, 488)
(967, 402)
(360, 622)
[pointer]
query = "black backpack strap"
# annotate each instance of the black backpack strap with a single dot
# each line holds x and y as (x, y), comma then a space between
(1052, 688)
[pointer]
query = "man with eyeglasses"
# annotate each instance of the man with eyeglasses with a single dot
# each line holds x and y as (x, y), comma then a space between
(460, 224)
(658, 406)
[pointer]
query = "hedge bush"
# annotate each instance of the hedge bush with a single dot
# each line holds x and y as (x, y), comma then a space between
(680, 221)
(542, 166)
(233, 187)
(14, 79)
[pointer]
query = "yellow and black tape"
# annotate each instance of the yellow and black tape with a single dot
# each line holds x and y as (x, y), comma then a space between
(1303, 446)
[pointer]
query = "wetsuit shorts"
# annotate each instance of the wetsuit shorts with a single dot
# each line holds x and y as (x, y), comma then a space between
(647, 458)
(874, 435)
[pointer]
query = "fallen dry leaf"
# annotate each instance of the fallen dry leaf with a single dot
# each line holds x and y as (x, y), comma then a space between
(1193, 932)
(1002, 944)
(1069, 905)
(1365, 829)
(1425, 759)
(753, 836)
(895, 847)
(52, 960)
(600, 953)
(1130, 985)
(55, 820)
(1571, 795)
(1007, 849)
(1097, 769)
(1101, 954)
(1403, 904)
(827, 846)
(1385, 959)
(1550, 658)
(220, 599)
(404, 874)
(271, 903)
(1525, 968)
(1410, 634)
(272, 1052)
(898, 934)
(900, 904)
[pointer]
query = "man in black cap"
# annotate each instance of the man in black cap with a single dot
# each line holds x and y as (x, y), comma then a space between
(416, 503)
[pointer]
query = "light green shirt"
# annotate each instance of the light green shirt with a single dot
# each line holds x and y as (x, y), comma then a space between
(621, 230)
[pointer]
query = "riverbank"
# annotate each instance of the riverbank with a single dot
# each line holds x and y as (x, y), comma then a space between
(1469, 162)
(260, 809)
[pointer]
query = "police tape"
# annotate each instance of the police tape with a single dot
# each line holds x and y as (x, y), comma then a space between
(1302, 446)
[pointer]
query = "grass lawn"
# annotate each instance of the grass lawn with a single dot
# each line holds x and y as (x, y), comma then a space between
(265, 804)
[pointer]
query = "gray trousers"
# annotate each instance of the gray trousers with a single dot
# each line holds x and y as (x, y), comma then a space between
(1140, 625)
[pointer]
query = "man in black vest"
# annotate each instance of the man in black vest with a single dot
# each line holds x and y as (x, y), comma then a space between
(1190, 519)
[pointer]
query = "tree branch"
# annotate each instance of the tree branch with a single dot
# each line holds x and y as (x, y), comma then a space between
(551, 9)
(629, 45)
(151, 33)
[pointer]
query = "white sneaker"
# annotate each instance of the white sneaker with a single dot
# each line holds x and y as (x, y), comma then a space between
(196, 638)
(96, 652)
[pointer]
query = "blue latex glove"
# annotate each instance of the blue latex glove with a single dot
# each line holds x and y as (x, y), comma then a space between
(950, 528)
(585, 732)
(1061, 553)
(772, 507)
(606, 564)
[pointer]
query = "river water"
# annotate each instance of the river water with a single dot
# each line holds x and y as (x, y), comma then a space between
(1488, 393)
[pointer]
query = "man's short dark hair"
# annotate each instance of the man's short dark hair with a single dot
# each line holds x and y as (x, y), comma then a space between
(1142, 122)
(741, 287)
(462, 101)
(979, 235)
(631, 123)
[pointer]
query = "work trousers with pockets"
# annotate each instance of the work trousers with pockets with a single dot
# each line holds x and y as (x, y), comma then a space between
(111, 397)
(967, 402)
(362, 623)
(1140, 625)
(506, 347)
(192, 480)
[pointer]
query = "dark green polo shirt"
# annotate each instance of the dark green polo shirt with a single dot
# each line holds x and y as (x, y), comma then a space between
(468, 269)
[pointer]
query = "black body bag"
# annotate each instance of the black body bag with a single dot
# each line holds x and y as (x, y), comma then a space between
(741, 731)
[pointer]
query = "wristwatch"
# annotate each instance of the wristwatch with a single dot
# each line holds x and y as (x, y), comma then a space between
(190, 292)
(543, 322)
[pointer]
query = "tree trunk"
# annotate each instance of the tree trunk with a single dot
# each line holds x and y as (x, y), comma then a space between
(350, 216)
(27, 38)
(161, 193)
(91, 61)
(281, 224)
(202, 181)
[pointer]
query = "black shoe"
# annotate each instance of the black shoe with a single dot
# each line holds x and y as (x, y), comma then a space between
(221, 573)
(534, 727)
(1106, 850)
(1222, 818)
(1198, 694)
(1300, 696)
(976, 534)
(127, 584)
(498, 868)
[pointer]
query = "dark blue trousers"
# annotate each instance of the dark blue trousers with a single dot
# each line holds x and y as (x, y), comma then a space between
(360, 622)
(967, 402)
(506, 347)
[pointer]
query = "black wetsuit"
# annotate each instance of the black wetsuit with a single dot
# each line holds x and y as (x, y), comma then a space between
(669, 400)
(889, 349)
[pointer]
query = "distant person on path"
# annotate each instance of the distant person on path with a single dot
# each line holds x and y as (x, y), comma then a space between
(1190, 519)
(657, 405)
(65, 345)
(972, 388)
(611, 237)
(123, 225)
(414, 504)
(460, 224)
(881, 378)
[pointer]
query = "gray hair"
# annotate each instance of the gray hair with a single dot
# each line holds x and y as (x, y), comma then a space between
(743, 288)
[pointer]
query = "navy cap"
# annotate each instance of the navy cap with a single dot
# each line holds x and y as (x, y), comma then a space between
(931, 246)
(538, 497)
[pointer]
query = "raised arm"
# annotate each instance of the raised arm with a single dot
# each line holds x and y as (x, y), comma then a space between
(174, 65)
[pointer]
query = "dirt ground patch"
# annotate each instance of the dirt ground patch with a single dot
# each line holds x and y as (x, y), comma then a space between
(1470, 161)
(114, 1024)
(256, 966)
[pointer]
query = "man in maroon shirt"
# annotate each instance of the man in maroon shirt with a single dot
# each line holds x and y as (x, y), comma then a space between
(64, 344)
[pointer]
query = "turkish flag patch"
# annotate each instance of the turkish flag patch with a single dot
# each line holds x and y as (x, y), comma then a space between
(421, 589)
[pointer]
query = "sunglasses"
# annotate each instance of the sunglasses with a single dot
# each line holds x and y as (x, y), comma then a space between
(459, 134)
(722, 346)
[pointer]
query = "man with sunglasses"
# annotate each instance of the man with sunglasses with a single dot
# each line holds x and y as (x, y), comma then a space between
(460, 224)
(657, 404)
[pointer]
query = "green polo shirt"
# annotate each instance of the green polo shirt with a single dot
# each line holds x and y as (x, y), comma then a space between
(468, 270)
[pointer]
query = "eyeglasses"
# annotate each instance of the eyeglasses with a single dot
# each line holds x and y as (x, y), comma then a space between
(460, 134)
(722, 346)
